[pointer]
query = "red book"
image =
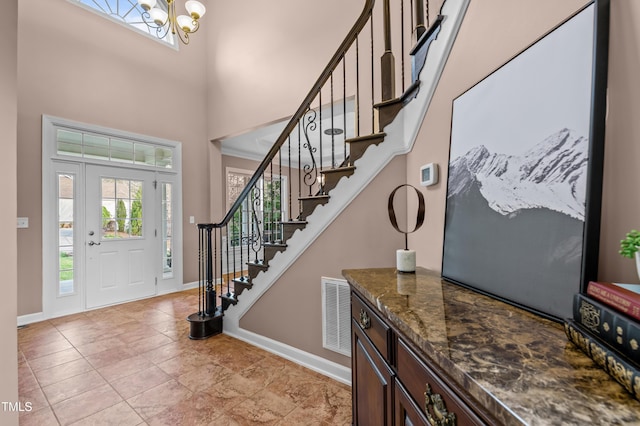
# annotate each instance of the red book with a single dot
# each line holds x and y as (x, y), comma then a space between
(623, 297)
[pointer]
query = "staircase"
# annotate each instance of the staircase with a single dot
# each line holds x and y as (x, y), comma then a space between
(348, 128)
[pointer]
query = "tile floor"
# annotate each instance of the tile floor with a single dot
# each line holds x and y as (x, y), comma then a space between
(133, 364)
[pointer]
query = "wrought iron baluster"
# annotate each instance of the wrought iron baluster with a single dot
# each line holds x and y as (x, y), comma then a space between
(200, 271)
(344, 106)
(333, 147)
(310, 170)
(210, 290)
(320, 134)
(402, 55)
(373, 101)
(300, 166)
(289, 189)
(271, 206)
(256, 243)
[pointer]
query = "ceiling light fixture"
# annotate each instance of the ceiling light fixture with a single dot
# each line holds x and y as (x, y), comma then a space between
(333, 131)
(163, 22)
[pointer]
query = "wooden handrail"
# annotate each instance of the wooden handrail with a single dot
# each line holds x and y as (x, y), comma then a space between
(299, 114)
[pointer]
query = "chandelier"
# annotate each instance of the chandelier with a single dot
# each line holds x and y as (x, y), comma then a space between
(163, 22)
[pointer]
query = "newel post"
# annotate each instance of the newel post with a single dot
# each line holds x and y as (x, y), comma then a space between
(388, 74)
(419, 16)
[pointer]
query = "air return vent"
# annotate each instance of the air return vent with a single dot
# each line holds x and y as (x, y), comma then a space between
(336, 316)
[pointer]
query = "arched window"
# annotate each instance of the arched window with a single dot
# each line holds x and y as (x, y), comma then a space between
(128, 13)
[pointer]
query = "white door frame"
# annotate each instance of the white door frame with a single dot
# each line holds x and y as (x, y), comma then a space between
(52, 163)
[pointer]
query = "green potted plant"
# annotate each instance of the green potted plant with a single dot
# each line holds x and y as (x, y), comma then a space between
(630, 246)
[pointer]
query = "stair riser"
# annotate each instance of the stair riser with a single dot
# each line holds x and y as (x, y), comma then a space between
(270, 252)
(228, 301)
(255, 269)
(240, 286)
(387, 113)
(331, 179)
(288, 229)
(358, 148)
(308, 206)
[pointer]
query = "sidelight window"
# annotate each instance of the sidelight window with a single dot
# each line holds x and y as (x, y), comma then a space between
(66, 216)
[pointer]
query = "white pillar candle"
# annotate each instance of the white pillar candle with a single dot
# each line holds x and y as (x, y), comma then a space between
(406, 260)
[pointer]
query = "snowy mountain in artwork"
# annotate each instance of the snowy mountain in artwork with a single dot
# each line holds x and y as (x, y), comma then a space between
(552, 175)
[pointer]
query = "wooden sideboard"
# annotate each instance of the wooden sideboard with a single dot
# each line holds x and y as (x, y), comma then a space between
(426, 352)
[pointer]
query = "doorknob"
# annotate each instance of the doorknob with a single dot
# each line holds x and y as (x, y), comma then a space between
(93, 243)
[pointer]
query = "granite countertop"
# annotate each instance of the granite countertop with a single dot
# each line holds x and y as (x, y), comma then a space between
(517, 364)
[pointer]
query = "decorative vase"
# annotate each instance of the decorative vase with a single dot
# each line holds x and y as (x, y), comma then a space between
(638, 263)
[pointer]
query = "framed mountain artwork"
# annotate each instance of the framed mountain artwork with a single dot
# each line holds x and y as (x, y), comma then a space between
(524, 186)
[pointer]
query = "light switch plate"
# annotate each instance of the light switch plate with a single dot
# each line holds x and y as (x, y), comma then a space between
(23, 222)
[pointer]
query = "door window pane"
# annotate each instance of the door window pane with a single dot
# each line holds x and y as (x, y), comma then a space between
(121, 208)
(66, 270)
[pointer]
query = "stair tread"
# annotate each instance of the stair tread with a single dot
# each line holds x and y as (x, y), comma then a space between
(242, 280)
(230, 297)
(366, 137)
(259, 264)
(314, 197)
(275, 245)
(294, 222)
(338, 169)
(389, 102)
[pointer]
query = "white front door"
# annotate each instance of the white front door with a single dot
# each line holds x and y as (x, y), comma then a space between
(120, 241)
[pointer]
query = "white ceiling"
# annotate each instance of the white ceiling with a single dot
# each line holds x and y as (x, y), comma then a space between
(255, 144)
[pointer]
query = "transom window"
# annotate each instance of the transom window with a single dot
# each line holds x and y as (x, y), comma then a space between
(120, 150)
(126, 12)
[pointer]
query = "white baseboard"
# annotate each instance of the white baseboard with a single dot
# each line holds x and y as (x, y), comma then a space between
(189, 286)
(31, 318)
(40, 316)
(313, 362)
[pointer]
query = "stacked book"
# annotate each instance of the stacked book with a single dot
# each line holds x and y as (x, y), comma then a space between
(606, 326)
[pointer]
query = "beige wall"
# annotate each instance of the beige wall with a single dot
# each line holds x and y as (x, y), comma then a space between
(492, 33)
(8, 124)
(360, 237)
(621, 204)
(77, 65)
(267, 55)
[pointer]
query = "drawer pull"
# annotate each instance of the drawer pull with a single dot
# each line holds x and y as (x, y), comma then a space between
(365, 321)
(436, 411)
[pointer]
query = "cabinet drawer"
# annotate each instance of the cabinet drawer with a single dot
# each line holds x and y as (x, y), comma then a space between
(421, 382)
(371, 324)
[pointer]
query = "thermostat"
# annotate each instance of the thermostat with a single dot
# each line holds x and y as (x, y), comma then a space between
(429, 174)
